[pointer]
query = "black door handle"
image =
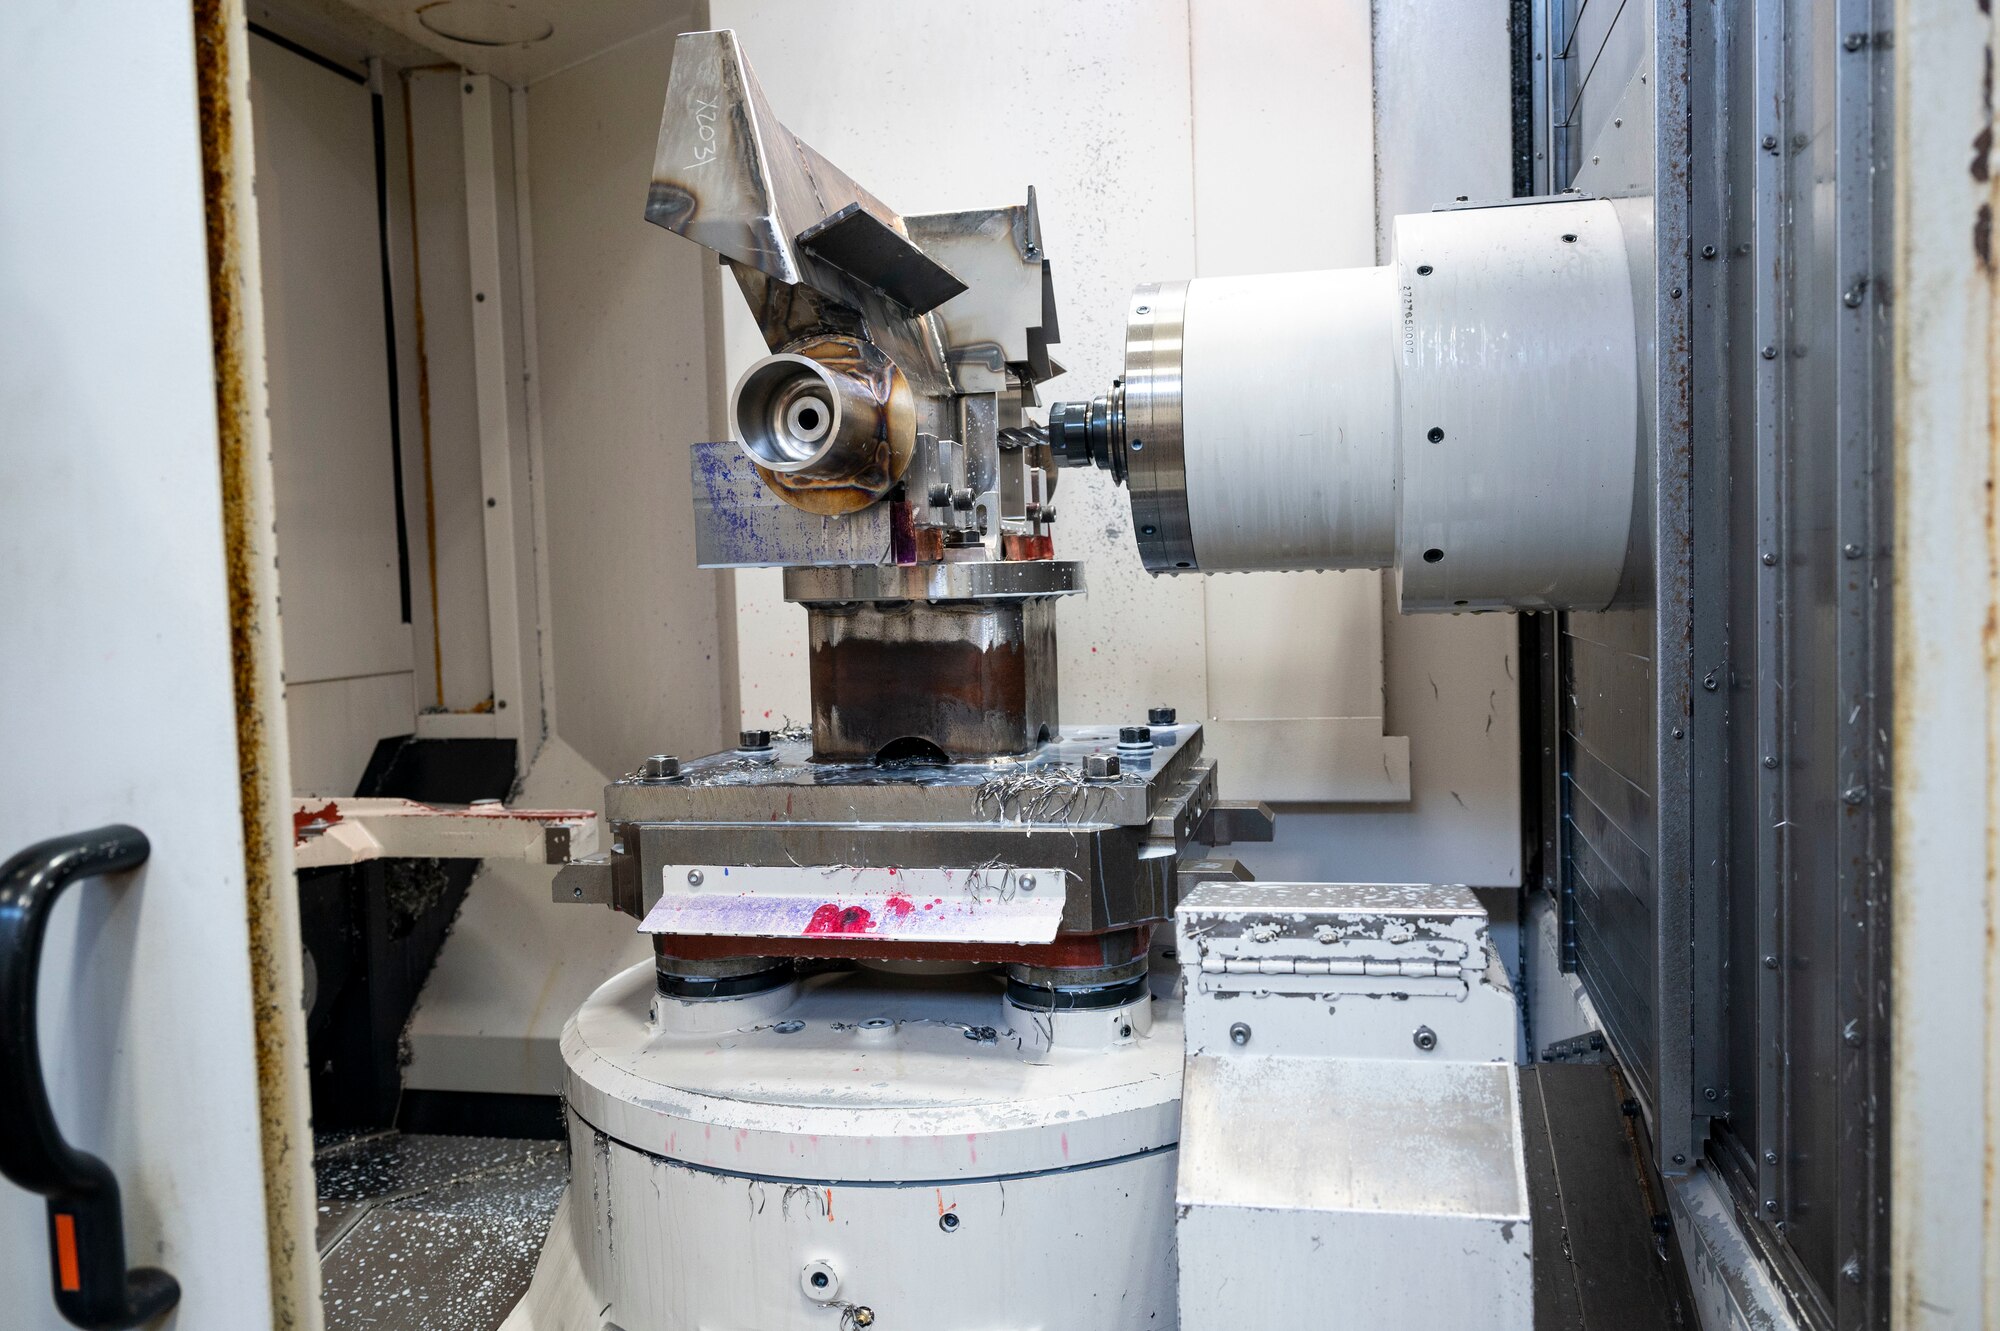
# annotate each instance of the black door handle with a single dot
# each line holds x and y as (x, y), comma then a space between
(86, 1224)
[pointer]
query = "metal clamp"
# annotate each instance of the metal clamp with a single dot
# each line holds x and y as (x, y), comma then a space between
(93, 1288)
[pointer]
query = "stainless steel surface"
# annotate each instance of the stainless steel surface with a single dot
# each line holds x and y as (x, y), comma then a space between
(980, 580)
(1155, 469)
(818, 416)
(431, 1233)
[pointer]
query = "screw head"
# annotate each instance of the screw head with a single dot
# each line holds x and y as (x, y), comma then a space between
(1769, 353)
(1852, 550)
(1771, 1205)
(1770, 1157)
(1239, 1034)
(789, 1026)
(864, 1317)
(948, 1222)
(1770, 143)
(1424, 270)
(1424, 1038)
(694, 878)
(1435, 435)
(1708, 251)
(1770, 559)
(1160, 716)
(1770, 963)
(1771, 761)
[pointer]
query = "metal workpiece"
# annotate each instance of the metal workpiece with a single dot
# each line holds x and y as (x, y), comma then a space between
(740, 522)
(945, 681)
(831, 423)
(882, 329)
(1466, 413)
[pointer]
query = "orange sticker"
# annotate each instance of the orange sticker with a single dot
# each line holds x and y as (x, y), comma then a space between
(67, 1275)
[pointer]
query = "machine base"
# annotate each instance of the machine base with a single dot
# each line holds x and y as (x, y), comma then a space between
(888, 1151)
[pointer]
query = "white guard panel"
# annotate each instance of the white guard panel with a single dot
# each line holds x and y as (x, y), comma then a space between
(1288, 409)
(1520, 406)
(999, 905)
(118, 704)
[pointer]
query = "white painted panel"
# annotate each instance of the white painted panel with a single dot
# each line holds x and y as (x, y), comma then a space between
(1271, 637)
(1284, 181)
(334, 724)
(328, 368)
(623, 383)
(1284, 160)
(966, 108)
(119, 703)
(448, 529)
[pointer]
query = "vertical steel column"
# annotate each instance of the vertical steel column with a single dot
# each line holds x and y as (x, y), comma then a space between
(1767, 123)
(1673, 592)
(1863, 677)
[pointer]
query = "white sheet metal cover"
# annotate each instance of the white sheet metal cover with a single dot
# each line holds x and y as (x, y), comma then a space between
(989, 905)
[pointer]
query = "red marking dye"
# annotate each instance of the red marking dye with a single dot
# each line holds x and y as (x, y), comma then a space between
(901, 905)
(972, 1145)
(930, 905)
(329, 813)
(836, 919)
(1065, 1145)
